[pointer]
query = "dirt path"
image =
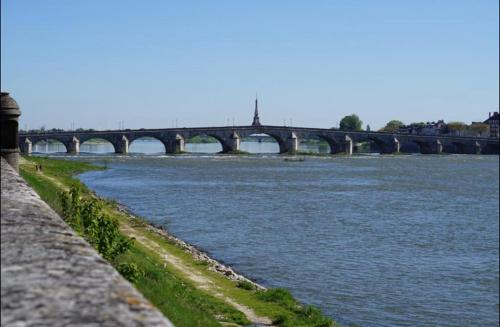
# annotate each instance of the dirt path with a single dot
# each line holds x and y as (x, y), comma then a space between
(196, 277)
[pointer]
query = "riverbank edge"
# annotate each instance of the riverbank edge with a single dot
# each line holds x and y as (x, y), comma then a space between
(278, 309)
(214, 265)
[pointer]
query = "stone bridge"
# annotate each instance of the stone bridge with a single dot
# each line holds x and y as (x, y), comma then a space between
(288, 139)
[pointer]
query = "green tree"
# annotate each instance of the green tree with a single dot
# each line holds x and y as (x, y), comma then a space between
(456, 126)
(479, 129)
(392, 126)
(351, 123)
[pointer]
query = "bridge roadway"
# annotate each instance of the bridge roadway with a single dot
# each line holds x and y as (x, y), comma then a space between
(287, 137)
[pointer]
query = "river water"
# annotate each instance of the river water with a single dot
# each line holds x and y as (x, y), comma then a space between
(372, 240)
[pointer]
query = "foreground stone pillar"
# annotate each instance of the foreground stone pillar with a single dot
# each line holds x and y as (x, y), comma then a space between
(292, 143)
(73, 146)
(27, 146)
(122, 146)
(9, 129)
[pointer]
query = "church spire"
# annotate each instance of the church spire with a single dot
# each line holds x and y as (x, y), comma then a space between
(256, 121)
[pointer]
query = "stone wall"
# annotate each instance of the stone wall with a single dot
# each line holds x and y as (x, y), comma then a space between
(51, 276)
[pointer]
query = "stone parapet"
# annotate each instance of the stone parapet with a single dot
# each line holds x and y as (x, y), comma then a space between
(51, 276)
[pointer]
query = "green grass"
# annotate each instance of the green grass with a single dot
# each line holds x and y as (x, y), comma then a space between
(63, 170)
(177, 299)
(277, 304)
(246, 285)
(168, 288)
(302, 315)
(181, 303)
(45, 190)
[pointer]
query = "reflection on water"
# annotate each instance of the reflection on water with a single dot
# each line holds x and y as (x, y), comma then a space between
(48, 147)
(372, 240)
(104, 147)
(156, 147)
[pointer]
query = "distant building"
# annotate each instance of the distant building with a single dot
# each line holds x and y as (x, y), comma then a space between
(492, 121)
(475, 129)
(429, 128)
(434, 128)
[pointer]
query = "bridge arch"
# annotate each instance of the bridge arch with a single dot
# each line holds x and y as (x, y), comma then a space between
(150, 144)
(387, 144)
(423, 147)
(490, 148)
(429, 147)
(97, 145)
(49, 145)
(281, 141)
(203, 142)
(455, 147)
(333, 145)
(268, 142)
(463, 147)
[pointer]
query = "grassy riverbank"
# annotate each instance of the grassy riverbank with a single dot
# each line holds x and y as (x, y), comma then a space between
(186, 289)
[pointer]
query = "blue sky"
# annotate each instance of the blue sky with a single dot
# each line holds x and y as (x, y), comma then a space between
(149, 63)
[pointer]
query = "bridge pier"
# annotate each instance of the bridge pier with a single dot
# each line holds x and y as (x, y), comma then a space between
(122, 146)
(292, 143)
(174, 145)
(393, 146)
(348, 145)
(179, 144)
(437, 147)
(233, 143)
(26, 146)
(73, 146)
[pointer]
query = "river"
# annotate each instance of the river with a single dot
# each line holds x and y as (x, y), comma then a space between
(409, 240)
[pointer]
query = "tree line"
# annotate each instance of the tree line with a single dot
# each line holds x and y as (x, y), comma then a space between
(354, 123)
